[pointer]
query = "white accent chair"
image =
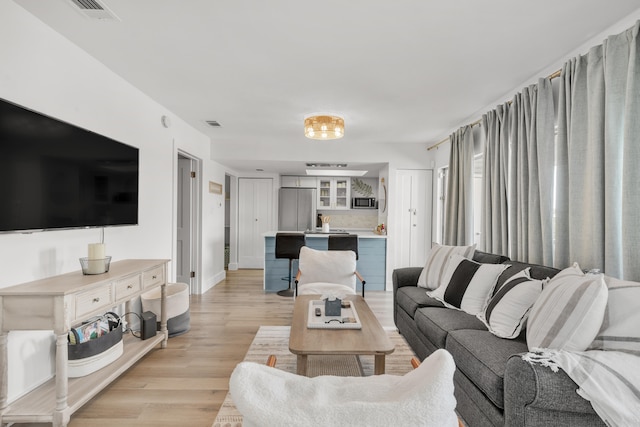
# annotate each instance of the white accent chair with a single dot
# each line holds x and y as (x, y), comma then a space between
(327, 273)
(423, 397)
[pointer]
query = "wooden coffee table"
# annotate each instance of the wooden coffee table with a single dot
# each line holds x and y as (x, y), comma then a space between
(370, 340)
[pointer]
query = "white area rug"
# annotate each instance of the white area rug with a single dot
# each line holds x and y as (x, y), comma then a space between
(275, 340)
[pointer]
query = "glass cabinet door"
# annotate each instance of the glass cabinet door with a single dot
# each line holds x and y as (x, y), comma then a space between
(342, 193)
(324, 193)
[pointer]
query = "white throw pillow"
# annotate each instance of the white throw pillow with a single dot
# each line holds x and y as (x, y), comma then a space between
(569, 312)
(436, 265)
(506, 312)
(620, 330)
(467, 285)
(327, 266)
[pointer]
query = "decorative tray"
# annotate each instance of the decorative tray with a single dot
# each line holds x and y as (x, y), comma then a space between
(348, 318)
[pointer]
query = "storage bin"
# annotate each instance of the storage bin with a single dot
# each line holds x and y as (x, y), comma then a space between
(87, 357)
(178, 317)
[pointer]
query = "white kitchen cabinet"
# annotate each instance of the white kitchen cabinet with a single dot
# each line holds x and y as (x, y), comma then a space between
(298, 181)
(334, 193)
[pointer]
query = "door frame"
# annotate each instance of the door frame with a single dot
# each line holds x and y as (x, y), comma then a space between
(195, 283)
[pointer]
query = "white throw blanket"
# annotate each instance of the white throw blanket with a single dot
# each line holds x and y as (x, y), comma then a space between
(610, 380)
(271, 397)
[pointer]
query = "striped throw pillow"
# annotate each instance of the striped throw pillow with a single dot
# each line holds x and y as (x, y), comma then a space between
(569, 312)
(620, 330)
(506, 313)
(467, 285)
(436, 265)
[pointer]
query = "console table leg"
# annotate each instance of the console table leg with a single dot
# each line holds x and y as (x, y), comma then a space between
(163, 315)
(4, 372)
(61, 416)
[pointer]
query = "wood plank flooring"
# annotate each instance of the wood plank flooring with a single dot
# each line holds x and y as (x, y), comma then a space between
(186, 383)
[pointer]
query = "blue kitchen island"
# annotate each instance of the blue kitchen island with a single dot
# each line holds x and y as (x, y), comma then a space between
(372, 260)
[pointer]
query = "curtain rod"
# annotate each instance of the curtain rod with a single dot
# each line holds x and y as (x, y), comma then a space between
(477, 122)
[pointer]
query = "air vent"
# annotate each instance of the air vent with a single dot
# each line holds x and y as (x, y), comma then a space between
(94, 9)
(213, 123)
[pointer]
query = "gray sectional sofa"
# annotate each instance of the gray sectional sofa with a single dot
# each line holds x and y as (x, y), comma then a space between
(493, 385)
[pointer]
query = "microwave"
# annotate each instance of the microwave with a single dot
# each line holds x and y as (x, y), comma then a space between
(363, 203)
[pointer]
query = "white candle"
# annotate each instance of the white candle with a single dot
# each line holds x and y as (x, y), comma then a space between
(96, 251)
(96, 264)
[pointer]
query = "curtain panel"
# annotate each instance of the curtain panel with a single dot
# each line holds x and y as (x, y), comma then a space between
(459, 204)
(597, 157)
(518, 176)
(493, 237)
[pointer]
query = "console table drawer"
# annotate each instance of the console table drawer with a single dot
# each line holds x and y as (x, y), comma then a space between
(153, 277)
(127, 287)
(94, 299)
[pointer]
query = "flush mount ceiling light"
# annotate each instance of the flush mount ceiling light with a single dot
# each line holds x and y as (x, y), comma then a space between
(323, 127)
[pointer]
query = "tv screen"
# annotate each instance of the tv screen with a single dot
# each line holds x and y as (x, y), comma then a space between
(56, 175)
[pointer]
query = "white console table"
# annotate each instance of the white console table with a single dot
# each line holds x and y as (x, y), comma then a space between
(59, 302)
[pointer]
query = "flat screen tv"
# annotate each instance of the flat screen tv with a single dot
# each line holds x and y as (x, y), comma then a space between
(54, 175)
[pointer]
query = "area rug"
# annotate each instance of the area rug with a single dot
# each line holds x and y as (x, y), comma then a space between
(275, 340)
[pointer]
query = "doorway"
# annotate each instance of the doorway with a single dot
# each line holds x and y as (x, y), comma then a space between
(254, 219)
(414, 190)
(188, 184)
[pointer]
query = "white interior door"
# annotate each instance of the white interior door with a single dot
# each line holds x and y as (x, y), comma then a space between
(414, 198)
(255, 197)
(183, 226)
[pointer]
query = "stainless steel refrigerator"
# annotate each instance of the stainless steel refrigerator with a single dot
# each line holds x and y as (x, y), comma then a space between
(297, 209)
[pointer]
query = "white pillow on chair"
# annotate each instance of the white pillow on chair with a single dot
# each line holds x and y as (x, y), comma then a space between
(337, 267)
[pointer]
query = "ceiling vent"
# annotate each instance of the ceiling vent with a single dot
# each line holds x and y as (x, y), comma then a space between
(94, 9)
(213, 123)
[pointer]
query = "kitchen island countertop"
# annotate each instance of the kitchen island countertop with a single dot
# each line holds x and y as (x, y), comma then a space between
(363, 234)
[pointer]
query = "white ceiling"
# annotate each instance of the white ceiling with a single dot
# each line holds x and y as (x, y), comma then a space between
(399, 71)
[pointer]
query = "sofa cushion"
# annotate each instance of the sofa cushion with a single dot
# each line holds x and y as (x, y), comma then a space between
(435, 323)
(411, 298)
(482, 358)
(539, 272)
(437, 261)
(487, 258)
(467, 285)
(619, 330)
(506, 313)
(569, 312)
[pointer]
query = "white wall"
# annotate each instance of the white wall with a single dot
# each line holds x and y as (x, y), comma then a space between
(43, 71)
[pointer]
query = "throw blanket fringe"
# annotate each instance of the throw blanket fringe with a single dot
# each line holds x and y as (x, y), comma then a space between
(610, 380)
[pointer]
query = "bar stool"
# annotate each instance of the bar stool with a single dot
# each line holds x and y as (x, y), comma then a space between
(288, 246)
(344, 242)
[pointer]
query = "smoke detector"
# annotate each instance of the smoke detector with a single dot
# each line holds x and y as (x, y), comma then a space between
(94, 9)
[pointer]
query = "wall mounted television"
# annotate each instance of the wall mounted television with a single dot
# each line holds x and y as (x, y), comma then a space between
(54, 175)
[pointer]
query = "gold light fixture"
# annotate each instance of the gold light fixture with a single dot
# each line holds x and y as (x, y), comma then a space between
(324, 127)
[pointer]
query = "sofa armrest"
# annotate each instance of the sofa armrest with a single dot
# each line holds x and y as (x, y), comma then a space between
(534, 395)
(407, 276)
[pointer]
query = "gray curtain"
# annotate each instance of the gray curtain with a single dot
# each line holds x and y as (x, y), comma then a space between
(493, 237)
(530, 174)
(598, 158)
(518, 176)
(459, 204)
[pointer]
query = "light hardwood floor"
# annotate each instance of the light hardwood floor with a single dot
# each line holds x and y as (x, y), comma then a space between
(185, 384)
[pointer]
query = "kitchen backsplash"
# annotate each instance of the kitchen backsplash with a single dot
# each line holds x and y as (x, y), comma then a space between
(353, 221)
